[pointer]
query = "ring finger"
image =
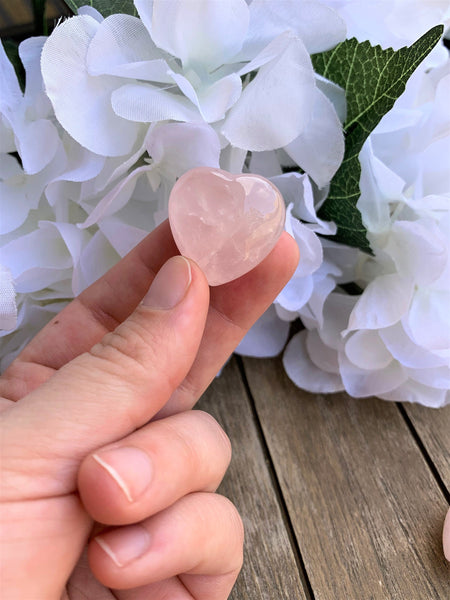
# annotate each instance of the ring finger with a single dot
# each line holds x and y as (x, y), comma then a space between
(199, 538)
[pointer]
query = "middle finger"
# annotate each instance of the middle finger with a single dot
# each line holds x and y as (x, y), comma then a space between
(152, 468)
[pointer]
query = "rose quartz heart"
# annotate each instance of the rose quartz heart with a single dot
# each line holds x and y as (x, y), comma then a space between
(226, 223)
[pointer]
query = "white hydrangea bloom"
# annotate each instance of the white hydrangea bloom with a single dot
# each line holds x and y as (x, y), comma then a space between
(391, 23)
(393, 340)
(89, 184)
(129, 104)
(322, 265)
(191, 62)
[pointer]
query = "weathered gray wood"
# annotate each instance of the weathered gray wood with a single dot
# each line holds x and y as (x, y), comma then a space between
(270, 571)
(366, 510)
(433, 427)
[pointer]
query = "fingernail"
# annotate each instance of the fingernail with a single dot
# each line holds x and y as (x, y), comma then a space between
(130, 468)
(125, 545)
(170, 284)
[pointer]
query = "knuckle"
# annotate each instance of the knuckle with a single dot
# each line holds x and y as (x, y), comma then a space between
(126, 346)
(216, 429)
(235, 531)
(130, 352)
(233, 518)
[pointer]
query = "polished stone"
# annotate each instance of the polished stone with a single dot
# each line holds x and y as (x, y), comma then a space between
(226, 223)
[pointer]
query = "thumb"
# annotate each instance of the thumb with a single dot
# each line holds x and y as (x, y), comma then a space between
(105, 394)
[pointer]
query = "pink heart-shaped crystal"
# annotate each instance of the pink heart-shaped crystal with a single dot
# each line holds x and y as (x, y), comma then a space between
(226, 223)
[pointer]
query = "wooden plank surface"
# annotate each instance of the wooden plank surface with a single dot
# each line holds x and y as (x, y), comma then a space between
(270, 571)
(433, 428)
(366, 509)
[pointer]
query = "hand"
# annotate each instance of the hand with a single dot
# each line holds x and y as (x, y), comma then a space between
(96, 428)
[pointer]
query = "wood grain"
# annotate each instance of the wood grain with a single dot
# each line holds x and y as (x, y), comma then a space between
(364, 505)
(270, 571)
(433, 428)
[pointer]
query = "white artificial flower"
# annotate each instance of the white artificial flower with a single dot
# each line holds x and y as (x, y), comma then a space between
(191, 62)
(314, 279)
(267, 337)
(128, 106)
(391, 23)
(44, 257)
(393, 339)
(26, 122)
(173, 148)
(397, 341)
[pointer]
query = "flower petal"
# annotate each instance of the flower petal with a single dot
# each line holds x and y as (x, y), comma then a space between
(146, 103)
(123, 47)
(322, 289)
(200, 33)
(412, 391)
(311, 252)
(91, 12)
(267, 165)
(362, 383)
(95, 258)
(429, 319)
(335, 94)
(37, 143)
(212, 99)
(438, 377)
(44, 256)
(403, 349)
(276, 106)
(121, 236)
(318, 26)
(232, 159)
(116, 198)
(10, 92)
(297, 189)
(266, 338)
(82, 103)
(216, 99)
(178, 147)
(304, 372)
(366, 350)
(384, 302)
(295, 293)
(319, 149)
(19, 192)
(373, 204)
(30, 51)
(337, 309)
(419, 250)
(322, 356)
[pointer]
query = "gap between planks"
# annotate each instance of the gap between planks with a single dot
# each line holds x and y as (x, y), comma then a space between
(270, 570)
(365, 506)
(424, 451)
(276, 484)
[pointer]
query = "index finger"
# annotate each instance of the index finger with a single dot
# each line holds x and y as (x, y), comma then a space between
(234, 307)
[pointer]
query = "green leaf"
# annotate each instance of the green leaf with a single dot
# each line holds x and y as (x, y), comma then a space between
(373, 79)
(12, 52)
(105, 7)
